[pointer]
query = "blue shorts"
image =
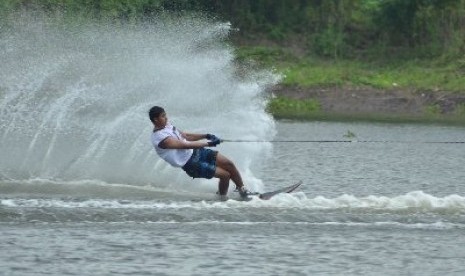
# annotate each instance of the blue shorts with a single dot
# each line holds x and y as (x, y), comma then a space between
(202, 164)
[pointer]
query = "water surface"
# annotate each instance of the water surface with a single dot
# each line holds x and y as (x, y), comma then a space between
(364, 208)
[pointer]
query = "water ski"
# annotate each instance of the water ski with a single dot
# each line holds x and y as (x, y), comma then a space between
(268, 195)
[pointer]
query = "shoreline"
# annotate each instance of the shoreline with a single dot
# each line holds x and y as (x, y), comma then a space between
(370, 104)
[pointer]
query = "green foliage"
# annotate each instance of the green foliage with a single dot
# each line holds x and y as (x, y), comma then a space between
(330, 43)
(374, 32)
(350, 135)
(282, 106)
(6, 6)
(433, 110)
(328, 28)
(460, 110)
(430, 26)
(315, 74)
(267, 56)
(418, 75)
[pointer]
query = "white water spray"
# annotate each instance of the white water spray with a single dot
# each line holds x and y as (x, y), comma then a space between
(74, 98)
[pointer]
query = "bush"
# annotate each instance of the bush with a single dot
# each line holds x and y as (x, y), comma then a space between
(280, 106)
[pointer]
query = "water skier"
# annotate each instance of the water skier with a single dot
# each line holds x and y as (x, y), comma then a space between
(187, 151)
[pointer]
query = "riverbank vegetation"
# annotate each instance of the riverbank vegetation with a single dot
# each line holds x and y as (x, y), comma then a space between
(383, 44)
(310, 109)
(435, 74)
(334, 29)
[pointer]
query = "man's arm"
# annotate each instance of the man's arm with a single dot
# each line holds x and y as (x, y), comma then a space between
(172, 143)
(193, 136)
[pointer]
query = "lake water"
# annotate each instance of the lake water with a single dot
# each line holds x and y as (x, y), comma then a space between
(387, 208)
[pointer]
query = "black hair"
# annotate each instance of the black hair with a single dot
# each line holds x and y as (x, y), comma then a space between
(154, 112)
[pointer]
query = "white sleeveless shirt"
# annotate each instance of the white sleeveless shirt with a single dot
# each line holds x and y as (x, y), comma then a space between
(175, 157)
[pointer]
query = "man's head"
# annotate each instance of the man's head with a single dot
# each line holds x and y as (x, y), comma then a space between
(155, 112)
(158, 116)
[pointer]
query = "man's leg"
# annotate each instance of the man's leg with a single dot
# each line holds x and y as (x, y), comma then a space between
(227, 165)
(224, 177)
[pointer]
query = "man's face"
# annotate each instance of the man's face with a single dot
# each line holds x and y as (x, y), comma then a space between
(161, 120)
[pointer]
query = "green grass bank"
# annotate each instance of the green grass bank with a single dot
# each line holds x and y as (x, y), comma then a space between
(442, 79)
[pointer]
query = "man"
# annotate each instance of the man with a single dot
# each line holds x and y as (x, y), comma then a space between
(187, 151)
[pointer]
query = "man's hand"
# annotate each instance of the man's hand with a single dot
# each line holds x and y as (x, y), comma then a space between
(214, 141)
(211, 137)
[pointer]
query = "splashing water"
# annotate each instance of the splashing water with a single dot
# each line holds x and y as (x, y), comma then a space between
(74, 98)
